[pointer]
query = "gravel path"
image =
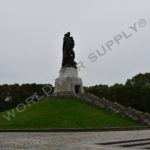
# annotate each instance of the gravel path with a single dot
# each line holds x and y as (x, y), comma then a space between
(67, 140)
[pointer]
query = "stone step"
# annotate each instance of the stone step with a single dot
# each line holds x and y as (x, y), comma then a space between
(116, 108)
(131, 144)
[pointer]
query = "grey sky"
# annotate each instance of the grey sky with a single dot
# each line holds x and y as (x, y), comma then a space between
(31, 34)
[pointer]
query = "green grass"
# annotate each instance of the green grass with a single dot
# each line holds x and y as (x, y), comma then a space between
(64, 113)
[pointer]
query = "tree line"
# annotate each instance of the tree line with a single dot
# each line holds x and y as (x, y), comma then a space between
(134, 93)
(12, 95)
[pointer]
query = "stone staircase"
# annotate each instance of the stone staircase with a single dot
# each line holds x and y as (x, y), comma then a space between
(116, 108)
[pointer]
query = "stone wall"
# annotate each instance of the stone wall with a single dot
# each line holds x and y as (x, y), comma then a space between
(116, 108)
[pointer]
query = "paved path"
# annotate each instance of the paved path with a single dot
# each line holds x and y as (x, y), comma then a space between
(71, 140)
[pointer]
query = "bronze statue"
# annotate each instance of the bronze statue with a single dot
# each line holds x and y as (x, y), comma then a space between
(68, 52)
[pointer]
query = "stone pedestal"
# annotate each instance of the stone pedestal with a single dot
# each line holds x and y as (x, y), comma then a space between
(68, 82)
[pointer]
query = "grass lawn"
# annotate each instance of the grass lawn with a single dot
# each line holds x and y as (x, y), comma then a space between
(63, 113)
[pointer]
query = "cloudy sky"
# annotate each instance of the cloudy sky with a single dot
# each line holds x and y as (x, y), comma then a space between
(111, 37)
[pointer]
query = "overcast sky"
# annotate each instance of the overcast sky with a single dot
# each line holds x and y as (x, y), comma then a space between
(31, 38)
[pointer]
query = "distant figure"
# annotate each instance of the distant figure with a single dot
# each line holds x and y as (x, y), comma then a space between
(8, 97)
(68, 52)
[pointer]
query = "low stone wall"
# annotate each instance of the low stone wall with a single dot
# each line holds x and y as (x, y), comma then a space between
(116, 108)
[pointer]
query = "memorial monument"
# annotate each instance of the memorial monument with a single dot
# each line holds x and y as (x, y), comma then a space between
(68, 81)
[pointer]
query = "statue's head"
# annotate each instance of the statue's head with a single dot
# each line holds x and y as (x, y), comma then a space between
(67, 34)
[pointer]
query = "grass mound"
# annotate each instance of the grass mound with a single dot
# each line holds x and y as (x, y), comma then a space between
(62, 113)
